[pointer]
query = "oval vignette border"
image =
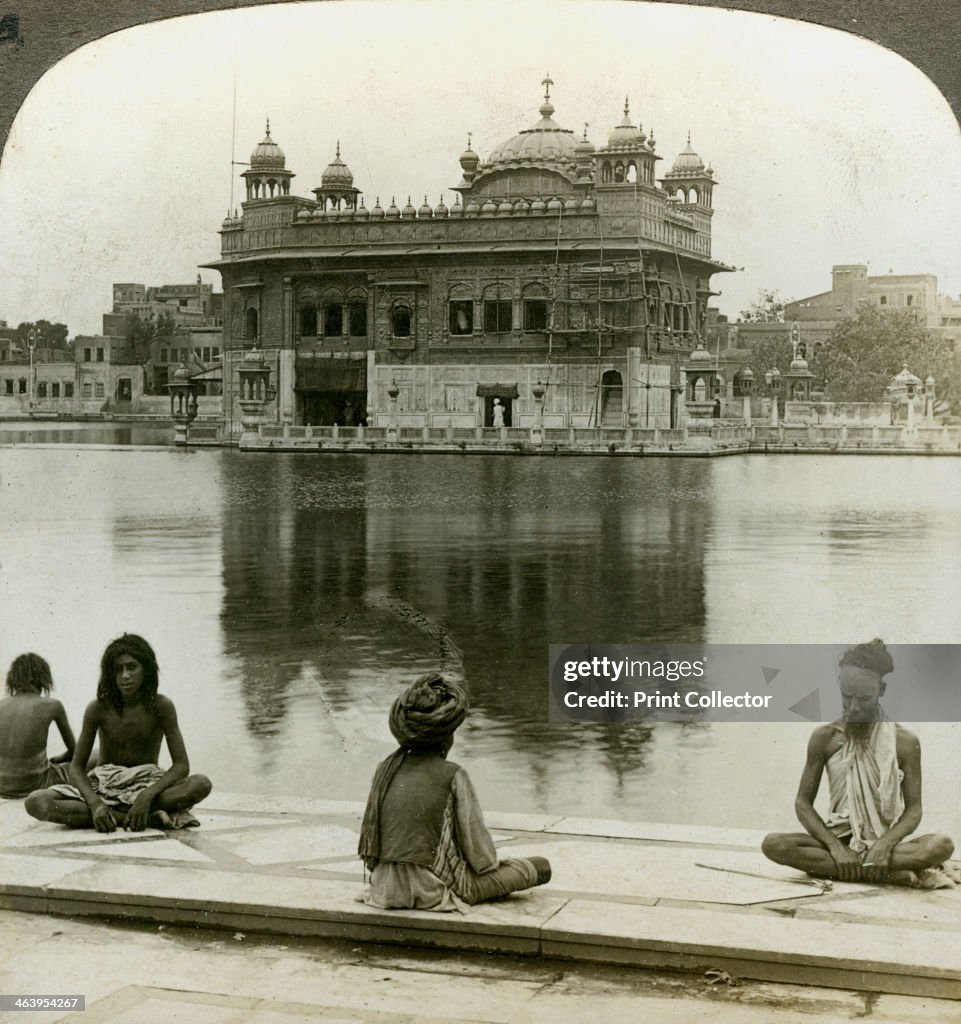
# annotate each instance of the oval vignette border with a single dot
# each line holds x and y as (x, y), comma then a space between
(928, 35)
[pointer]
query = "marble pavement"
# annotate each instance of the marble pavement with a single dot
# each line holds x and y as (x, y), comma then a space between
(663, 897)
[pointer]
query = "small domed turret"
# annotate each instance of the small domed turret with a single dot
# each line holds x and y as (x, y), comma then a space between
(267, 155)
(687, 160)
(337, 173)
(625, 135)
(469, 160)
(267, 176)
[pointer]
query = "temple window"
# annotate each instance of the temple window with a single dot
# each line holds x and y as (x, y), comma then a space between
(357, 319)
(55, 389)
(535, 315)
(8, 386)
(400, 322)
(333, 320)
(42, 389)
(251, 325)
(884, 300)
(308, 321)
(462, 316)
(99, 389)
(498, 315)
(68, 389)
(22, 385)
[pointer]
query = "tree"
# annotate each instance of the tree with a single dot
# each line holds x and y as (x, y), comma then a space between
(49, 335)
(767, 354)
(142, 333)
(865, 352)
(767, 308)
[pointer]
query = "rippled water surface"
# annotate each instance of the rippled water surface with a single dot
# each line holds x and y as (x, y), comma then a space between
(290, 596)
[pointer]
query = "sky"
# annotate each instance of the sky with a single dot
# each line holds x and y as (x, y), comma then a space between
(827, 149)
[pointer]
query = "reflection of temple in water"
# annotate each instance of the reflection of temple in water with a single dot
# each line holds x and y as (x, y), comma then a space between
(507, 555)
(292, 567)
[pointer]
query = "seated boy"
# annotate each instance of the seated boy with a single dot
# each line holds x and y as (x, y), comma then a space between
(423, 837)
(128, 789)
(25, 719)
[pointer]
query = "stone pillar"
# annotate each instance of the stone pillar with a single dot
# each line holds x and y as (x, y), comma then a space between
(774, 410)
(537, 431)
(285, 384)
(392, 392)
(631, 387)
(746, 414)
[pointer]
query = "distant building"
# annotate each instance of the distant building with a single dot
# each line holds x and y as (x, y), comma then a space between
(851, 287)
(195, 309)
(95, 378)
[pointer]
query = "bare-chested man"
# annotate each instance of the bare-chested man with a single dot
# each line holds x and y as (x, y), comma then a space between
(874, 778)
(128, 789)
(25, 719)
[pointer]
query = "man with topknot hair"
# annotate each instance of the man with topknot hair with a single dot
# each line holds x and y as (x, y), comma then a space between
(874, 777)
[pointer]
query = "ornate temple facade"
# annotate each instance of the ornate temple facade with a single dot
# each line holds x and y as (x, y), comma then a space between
(558, 263)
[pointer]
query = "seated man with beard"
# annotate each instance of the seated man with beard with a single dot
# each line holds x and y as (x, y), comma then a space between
(874, 778)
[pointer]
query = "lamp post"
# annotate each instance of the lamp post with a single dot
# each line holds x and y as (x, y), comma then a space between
(183, 403)
(773, 380)
(34, 335)
(256, 394)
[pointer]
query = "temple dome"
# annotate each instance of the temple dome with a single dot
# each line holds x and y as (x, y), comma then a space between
(337, 173)
(267, 155)
(688, 162)
(700, 354)
(626, 135)
(469, 159)
(546, 142)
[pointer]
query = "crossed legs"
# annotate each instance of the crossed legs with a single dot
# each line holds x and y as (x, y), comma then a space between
(804, 852)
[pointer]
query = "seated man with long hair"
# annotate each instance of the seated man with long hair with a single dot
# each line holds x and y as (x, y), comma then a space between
(874, 778)
(128, 789)
(423, 838)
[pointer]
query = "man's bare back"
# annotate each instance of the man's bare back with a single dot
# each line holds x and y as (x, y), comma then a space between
(25, 722)
(25, 719)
